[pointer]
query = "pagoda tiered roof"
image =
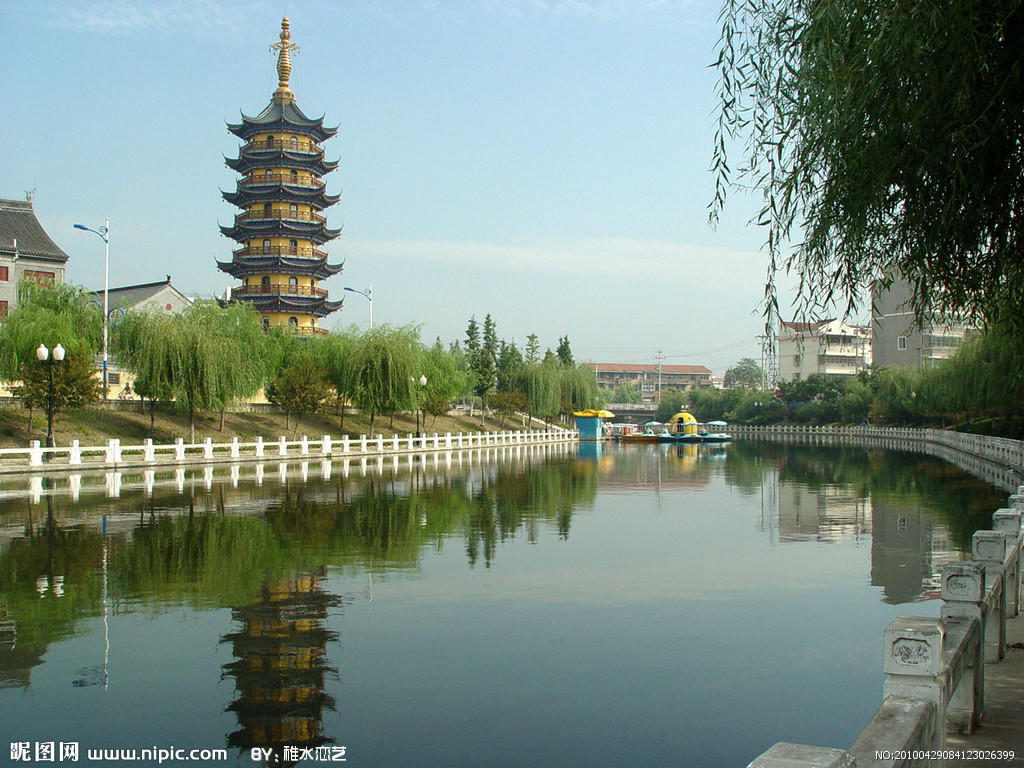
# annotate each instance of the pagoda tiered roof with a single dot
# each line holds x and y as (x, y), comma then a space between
(253, 191)
(307, 230)
(283, 303)
(240, 266)
(252, 159)
(284, 116)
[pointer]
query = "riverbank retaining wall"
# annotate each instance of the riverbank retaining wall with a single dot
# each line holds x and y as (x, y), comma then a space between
(934, 667)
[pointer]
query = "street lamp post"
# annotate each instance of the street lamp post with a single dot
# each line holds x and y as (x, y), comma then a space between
(104, 234)
(368, 294)
(46, 359)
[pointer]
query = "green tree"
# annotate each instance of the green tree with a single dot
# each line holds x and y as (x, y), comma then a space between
(532, 350)
(48, 314)
(886, 141)
(578, 388)
(507, 403)
(74, 383)
(385, 363)
(339, 359)
(447, 379)
(564, 352)
(746, 374)
(628, 392)
(539, 382)
(507, 369)
(202, 359)
(301, 385)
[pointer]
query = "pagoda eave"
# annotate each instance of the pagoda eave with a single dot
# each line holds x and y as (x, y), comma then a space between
(245, 163)
(242, 267)
(316, 233)
(304, 305)
(281, 193)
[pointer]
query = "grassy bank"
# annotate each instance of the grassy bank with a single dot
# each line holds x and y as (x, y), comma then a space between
(94, 426)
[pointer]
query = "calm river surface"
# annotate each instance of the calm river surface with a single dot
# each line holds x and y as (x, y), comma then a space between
(642, 605)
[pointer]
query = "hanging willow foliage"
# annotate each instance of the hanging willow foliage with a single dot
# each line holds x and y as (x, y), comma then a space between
(886, 139)
(59, 314)
(385, 364)
(203, 359)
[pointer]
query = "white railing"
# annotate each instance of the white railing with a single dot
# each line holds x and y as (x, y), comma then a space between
(115, 455)
(998, 450)
(935, 668)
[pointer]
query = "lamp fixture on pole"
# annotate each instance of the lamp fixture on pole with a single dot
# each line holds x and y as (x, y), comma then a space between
(104, 234)
(45, 358)
(368, 294)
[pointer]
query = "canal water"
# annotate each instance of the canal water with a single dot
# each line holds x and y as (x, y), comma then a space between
(601, 606)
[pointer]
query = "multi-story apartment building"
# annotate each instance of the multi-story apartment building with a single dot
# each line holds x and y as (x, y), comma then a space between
(651, 380)
(827, 347)
(898, 340)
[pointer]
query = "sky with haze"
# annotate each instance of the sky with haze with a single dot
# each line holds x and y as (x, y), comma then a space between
(544, 161)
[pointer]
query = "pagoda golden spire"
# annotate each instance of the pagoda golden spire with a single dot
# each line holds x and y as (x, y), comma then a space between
(284, 49)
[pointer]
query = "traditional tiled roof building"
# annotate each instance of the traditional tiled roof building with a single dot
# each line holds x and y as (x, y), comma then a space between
(281, 228)
(25, 251)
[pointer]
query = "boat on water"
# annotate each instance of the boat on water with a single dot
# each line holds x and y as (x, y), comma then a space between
(651, 432)
(683, 427)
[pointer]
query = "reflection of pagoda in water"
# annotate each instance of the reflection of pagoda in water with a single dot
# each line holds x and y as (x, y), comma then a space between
(281, 665)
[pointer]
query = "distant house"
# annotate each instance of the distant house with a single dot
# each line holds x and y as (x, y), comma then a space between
(826, 347)
(147, 297)
(651, 380)
(25, 251)
(900, 341)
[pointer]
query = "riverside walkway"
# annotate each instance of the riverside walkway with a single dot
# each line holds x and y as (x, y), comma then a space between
(1002, 724)
(954, 688)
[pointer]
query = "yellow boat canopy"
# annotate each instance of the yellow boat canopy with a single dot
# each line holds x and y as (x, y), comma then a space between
(592, 413)
(683, 423)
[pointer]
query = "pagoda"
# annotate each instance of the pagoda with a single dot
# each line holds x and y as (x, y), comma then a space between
(281, 226)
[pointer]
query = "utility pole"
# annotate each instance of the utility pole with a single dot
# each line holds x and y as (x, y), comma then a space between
(659, 358)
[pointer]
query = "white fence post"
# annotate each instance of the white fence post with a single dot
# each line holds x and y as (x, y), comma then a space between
(282, 446)
(75, 455)
(208, 448)
(259, 447)
(148, 451)
(35, 454)
(179, 449)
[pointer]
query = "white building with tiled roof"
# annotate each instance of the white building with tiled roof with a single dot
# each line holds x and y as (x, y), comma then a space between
(25, 251)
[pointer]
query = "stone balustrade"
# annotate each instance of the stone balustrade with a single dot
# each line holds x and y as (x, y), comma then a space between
(115, 455)
(935, 667)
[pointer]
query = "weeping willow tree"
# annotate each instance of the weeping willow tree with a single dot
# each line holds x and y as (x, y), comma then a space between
(541, 384)
(49, 314)
(578, 388)
(448, 378)
(339, 361)
(886, 140)
(385, 364)
(202, 359)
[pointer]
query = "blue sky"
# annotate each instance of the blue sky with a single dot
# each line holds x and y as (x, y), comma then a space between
(544, 161)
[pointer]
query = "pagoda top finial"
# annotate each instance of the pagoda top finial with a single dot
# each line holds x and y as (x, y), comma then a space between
(284, 50)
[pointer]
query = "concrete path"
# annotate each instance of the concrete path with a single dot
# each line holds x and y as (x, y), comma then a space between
(1002, 726)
